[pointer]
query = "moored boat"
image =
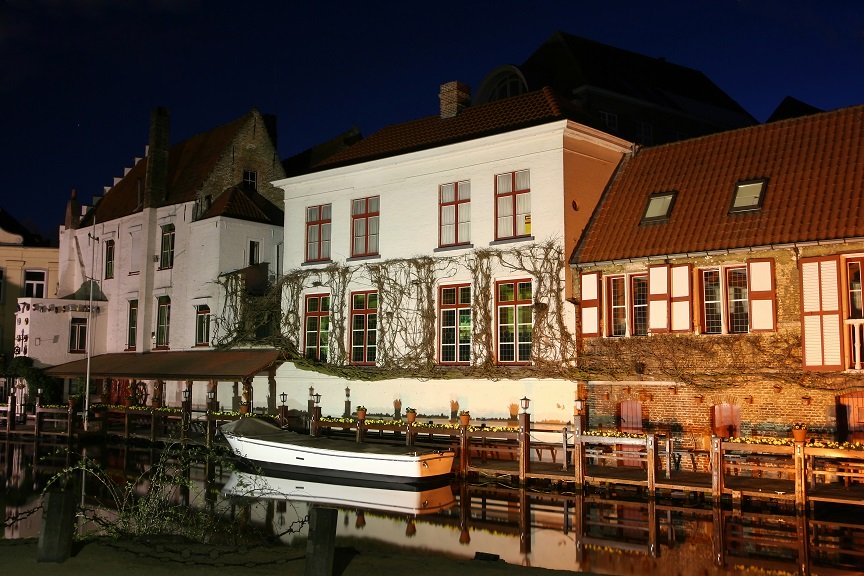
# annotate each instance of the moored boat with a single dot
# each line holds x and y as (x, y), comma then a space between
(274, 449)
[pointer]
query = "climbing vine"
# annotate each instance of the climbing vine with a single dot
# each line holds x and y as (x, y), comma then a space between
(407, 314)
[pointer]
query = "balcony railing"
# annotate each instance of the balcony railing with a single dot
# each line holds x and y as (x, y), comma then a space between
(856, 335)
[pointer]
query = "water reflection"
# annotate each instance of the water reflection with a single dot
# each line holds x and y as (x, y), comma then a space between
(613, 533)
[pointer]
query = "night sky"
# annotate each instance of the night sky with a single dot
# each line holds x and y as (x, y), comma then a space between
(78, 78)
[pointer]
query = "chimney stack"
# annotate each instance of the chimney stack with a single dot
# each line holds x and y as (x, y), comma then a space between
(156, 183)
(73, 211)
(455, 97)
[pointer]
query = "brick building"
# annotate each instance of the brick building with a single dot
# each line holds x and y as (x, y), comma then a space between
(720, 283)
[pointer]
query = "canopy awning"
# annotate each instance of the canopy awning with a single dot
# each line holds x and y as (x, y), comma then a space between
(181, 365)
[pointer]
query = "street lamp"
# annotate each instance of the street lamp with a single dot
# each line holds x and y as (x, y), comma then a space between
(525, 401)
(283, 397)
(317, 398)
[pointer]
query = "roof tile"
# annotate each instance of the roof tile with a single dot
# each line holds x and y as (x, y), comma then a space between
(815, 190)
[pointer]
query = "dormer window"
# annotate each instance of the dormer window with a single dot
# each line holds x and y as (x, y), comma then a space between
(659, 207)
(748, 195)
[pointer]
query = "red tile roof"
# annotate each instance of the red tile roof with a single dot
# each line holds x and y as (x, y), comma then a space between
(815, 191)
(244, 205)
(472, 122)
(190, 163)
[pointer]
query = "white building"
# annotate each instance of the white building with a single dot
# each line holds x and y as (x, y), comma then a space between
(425, 265)
(156, 247)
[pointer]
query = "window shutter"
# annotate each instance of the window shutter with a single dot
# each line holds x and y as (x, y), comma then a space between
(681, 298)
(762, 293)
(820, 302)
(590, 304)
(658, 298)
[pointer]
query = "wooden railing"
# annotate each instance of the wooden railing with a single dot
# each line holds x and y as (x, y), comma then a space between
(856, 337)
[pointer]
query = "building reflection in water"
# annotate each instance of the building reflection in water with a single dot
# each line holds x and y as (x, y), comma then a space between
(610, 533)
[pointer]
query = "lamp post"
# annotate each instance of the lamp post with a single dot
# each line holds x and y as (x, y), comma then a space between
(316, 414)
(310, 406)
(347, 412)
(282, 410)
(524, 438)
(211, 400)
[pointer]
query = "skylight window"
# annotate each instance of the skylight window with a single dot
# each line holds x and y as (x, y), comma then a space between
(659, 207)
(748, 195)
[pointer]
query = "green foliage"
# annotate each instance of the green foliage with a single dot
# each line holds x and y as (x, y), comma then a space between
(156, 502)
(52, 388)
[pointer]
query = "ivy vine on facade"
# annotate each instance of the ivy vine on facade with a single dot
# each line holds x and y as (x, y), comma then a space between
(407, 329)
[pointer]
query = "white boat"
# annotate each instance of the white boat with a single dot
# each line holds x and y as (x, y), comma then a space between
(381, 497)
(271, 448)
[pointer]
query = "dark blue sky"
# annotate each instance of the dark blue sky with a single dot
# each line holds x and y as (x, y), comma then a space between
(78, 78)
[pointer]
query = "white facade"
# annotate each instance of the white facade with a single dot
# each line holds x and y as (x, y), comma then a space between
(203, 250)
(407, 187)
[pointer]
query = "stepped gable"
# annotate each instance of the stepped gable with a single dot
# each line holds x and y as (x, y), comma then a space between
(190, 164)
(814, 166)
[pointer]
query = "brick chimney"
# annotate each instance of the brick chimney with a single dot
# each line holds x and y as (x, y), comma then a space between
(455, 97)
(156, 182)
(73, 211)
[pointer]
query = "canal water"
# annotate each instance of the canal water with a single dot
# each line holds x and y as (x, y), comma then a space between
(204, 496)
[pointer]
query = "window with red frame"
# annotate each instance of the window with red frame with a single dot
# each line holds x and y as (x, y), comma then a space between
(318, 233)
(454, 210)
(317, 327)
(454, 305)
(364, 226)
(364, 326)
(513, 301)
(513, 204)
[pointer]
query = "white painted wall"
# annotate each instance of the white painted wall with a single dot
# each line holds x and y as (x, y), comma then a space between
(408, 187)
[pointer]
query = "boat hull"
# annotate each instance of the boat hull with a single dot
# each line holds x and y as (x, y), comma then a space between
(281, 451)
(370, 496)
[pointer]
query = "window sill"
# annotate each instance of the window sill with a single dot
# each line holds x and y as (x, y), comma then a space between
(129, 349)
(164, 268)
(316, 262)
(512, 240)
(158, 348)
(364, 257)
(77, 351)
(452, 247)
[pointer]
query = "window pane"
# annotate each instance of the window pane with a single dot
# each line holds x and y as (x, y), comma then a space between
(505, 183)
(505, 292)
(358, 206)
(524, 290)
(856, 308)
(311, 213)
(325, 212)
(465, 295)
(739, 313)
(464, 190)
(372, 301)
(523, 181)
(359, 302)
(448, 296)
(447, 193)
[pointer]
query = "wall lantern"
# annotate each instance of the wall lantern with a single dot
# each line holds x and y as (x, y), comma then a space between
(186, 394)
(525, 402)
(211, 395)
(579, 404)
(317, 398)
(284, 397)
